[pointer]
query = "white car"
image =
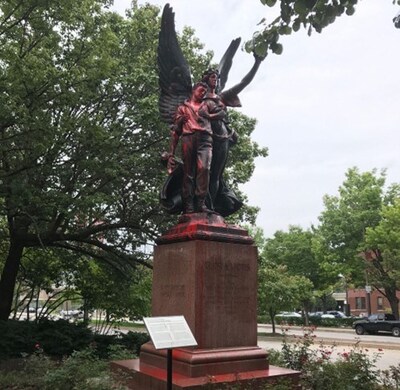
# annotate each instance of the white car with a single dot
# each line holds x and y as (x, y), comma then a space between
(69, 314)
(288, 314)
(327, 315)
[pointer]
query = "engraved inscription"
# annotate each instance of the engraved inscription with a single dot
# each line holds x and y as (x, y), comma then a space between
(233, 268)
(227, 289)
(171, 291)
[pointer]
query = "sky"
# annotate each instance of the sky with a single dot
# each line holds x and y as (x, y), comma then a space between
(328, 103)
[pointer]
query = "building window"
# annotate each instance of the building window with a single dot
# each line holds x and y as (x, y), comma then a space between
(360, 303)
(379, 303)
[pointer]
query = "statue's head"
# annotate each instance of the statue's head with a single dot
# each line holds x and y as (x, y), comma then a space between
(199, 90)
(211, 77)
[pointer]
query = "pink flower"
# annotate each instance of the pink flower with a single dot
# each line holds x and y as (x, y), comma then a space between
(37, 346)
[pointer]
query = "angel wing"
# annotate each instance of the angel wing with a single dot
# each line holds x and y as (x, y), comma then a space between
(226, 63)
(174, 73)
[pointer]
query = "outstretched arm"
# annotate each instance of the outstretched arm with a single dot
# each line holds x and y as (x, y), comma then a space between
(248, 78)
(231, 93)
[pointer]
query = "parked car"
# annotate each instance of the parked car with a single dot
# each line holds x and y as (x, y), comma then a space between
(71, 314)
(315, 314)
(337, 314)
(378, 323)
(327, 315)
(32, 309)
(288, 314)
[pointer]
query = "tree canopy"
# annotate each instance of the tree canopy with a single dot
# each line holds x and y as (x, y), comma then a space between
(342, 245)
(357, 237)
(381, 249)
(312, 15)
(80, 135)
(294, 250)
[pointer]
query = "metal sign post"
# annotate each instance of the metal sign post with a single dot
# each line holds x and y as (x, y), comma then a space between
(168, 333)
(169, 369)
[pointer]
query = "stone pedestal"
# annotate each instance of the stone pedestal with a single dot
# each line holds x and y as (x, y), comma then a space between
(206, 271)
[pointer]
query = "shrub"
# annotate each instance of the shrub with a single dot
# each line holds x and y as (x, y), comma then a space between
(82, 370)
(317, 321)
(134, 340)
(27, 373)
(16, 337)
(131, 341)
(61, 338)
(353, 370)
(391, 378)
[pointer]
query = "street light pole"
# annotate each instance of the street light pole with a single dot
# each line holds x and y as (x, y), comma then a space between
(368, 293)
(346, 305)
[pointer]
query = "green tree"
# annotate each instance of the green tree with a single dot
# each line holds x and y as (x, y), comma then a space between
(345, 218)
(280, 287)
(94, 285)
(241, 163)
(278, 290)
(312, 15)
(46, 271)
(298, 250)
(382, 253)
(71, 148)
(116, 296)
(344, 222)
(80, 134)
(294, 250)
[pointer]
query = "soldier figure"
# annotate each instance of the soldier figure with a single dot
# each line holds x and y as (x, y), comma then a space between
(192, 125)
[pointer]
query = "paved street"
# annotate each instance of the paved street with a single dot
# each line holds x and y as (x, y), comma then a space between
(387, 346)
(340, 336)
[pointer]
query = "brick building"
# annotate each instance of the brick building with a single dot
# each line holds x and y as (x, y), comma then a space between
(359, 302)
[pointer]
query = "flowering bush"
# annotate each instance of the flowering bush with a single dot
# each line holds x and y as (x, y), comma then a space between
(391, 378)
(327, 368)
(351, 370)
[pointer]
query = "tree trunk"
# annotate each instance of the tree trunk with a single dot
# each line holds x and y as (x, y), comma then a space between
(9, 278)
(393, 301)
(305, 315)
(272, 315)
(86, 318)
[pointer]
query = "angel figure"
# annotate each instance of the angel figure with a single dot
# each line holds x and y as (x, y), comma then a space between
(181, 191)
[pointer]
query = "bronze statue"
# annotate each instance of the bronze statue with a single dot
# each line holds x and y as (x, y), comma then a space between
(192, 125)
(181, 190)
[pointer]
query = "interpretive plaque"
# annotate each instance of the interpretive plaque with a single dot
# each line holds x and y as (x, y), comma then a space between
(169, 332)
